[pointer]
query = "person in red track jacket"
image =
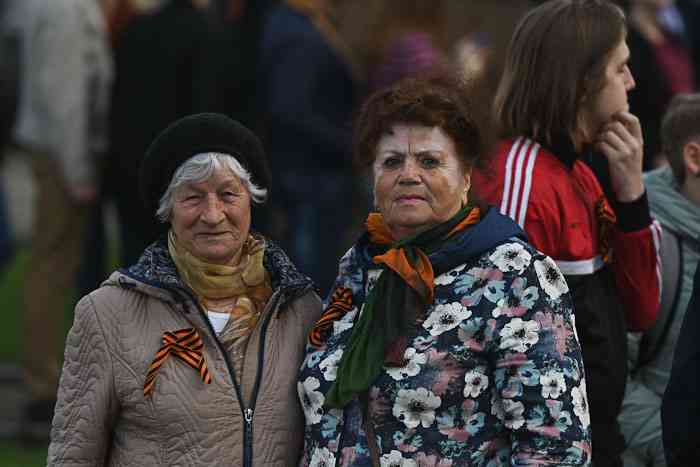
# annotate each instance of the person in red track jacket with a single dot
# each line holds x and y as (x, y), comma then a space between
(563, 98)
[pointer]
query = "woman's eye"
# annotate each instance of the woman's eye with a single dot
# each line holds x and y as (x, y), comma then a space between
(391, 162)
(429, 162)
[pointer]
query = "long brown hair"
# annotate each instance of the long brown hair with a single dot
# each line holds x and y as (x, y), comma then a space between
(556, 58)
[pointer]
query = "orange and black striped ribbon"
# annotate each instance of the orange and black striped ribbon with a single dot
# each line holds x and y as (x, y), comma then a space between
(341, 303)
(606, 221)
(184, 344)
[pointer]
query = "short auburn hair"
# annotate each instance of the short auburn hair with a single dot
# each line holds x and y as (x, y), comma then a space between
(557, 56)
(445, 101)
(680, 125)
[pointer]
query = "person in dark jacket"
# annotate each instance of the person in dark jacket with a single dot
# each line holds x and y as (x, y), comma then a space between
(163, 71)
(9, 94)
(680, 411)
(563, 95)
(308, 90)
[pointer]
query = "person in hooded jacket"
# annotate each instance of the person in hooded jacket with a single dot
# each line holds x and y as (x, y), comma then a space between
(448, 339)
(674, 198)
(189, 357)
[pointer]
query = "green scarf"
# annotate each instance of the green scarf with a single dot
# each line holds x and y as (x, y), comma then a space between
(392, 308)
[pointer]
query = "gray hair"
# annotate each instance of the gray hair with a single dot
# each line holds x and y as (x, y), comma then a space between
(201, 167)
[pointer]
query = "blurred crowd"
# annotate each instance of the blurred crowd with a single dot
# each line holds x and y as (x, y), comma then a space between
(90, 83)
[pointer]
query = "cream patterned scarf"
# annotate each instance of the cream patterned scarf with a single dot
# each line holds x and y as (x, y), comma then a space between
(242, 289)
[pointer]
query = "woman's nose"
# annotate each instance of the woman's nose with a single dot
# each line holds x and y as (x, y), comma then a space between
(409, 171)
(213, 211)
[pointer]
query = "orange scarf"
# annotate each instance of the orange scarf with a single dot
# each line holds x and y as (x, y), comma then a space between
(393, 306)
(420, 277)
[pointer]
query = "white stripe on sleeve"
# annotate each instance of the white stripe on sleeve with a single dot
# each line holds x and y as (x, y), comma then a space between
(506, 182)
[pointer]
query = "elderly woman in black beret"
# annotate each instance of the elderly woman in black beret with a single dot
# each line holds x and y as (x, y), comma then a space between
(189, 357)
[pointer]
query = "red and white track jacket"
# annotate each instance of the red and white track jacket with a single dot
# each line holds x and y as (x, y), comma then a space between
(565, 213)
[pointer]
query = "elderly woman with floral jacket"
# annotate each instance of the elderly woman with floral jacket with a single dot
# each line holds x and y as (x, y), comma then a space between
(448, 340)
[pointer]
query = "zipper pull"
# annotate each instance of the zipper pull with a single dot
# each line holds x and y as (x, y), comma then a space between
(248, 416)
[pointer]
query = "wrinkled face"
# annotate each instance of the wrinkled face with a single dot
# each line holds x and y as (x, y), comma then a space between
(612, 98)
(211, 219)
(419, 181)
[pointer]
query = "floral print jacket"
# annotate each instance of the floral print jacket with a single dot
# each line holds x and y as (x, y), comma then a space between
(494, 375)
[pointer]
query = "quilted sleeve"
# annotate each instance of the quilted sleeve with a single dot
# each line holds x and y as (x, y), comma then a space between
(87, 404)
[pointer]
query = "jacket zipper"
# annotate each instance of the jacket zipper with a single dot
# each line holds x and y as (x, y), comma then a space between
(274, 304)
(249, 411)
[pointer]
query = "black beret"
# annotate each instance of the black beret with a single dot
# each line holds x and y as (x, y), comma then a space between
(196, 134)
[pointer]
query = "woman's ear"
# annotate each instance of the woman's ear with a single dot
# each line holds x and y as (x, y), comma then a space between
(467, 186)
(691, 158)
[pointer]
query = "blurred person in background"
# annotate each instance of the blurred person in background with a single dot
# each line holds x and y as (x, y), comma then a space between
(309, 78)
(61, 127)
(564, 95)
(449, 340)
(93, 265)
(661, 60)
(674, 199)
(164, 70)
(241, 24)
(9, 95)
(406, 41)
(190, 355)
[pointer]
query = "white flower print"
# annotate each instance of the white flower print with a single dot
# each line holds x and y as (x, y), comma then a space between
(446, 317)
(450, 276)
(551, 278)
(412, 368)
(580, 399)
(372, 278)
(553, 384)
(311, 400)
(519, 335)
(395, 459)
(322, 457)
(346, 322)
(475, 382)
(416, 407)
(572, 317)
(513, 414)
(511, 257)
(329, 366)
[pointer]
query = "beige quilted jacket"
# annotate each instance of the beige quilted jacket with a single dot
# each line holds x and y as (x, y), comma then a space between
(102, 416)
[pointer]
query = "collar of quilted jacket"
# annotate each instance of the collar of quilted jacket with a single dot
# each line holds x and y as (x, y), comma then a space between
(155, 274)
